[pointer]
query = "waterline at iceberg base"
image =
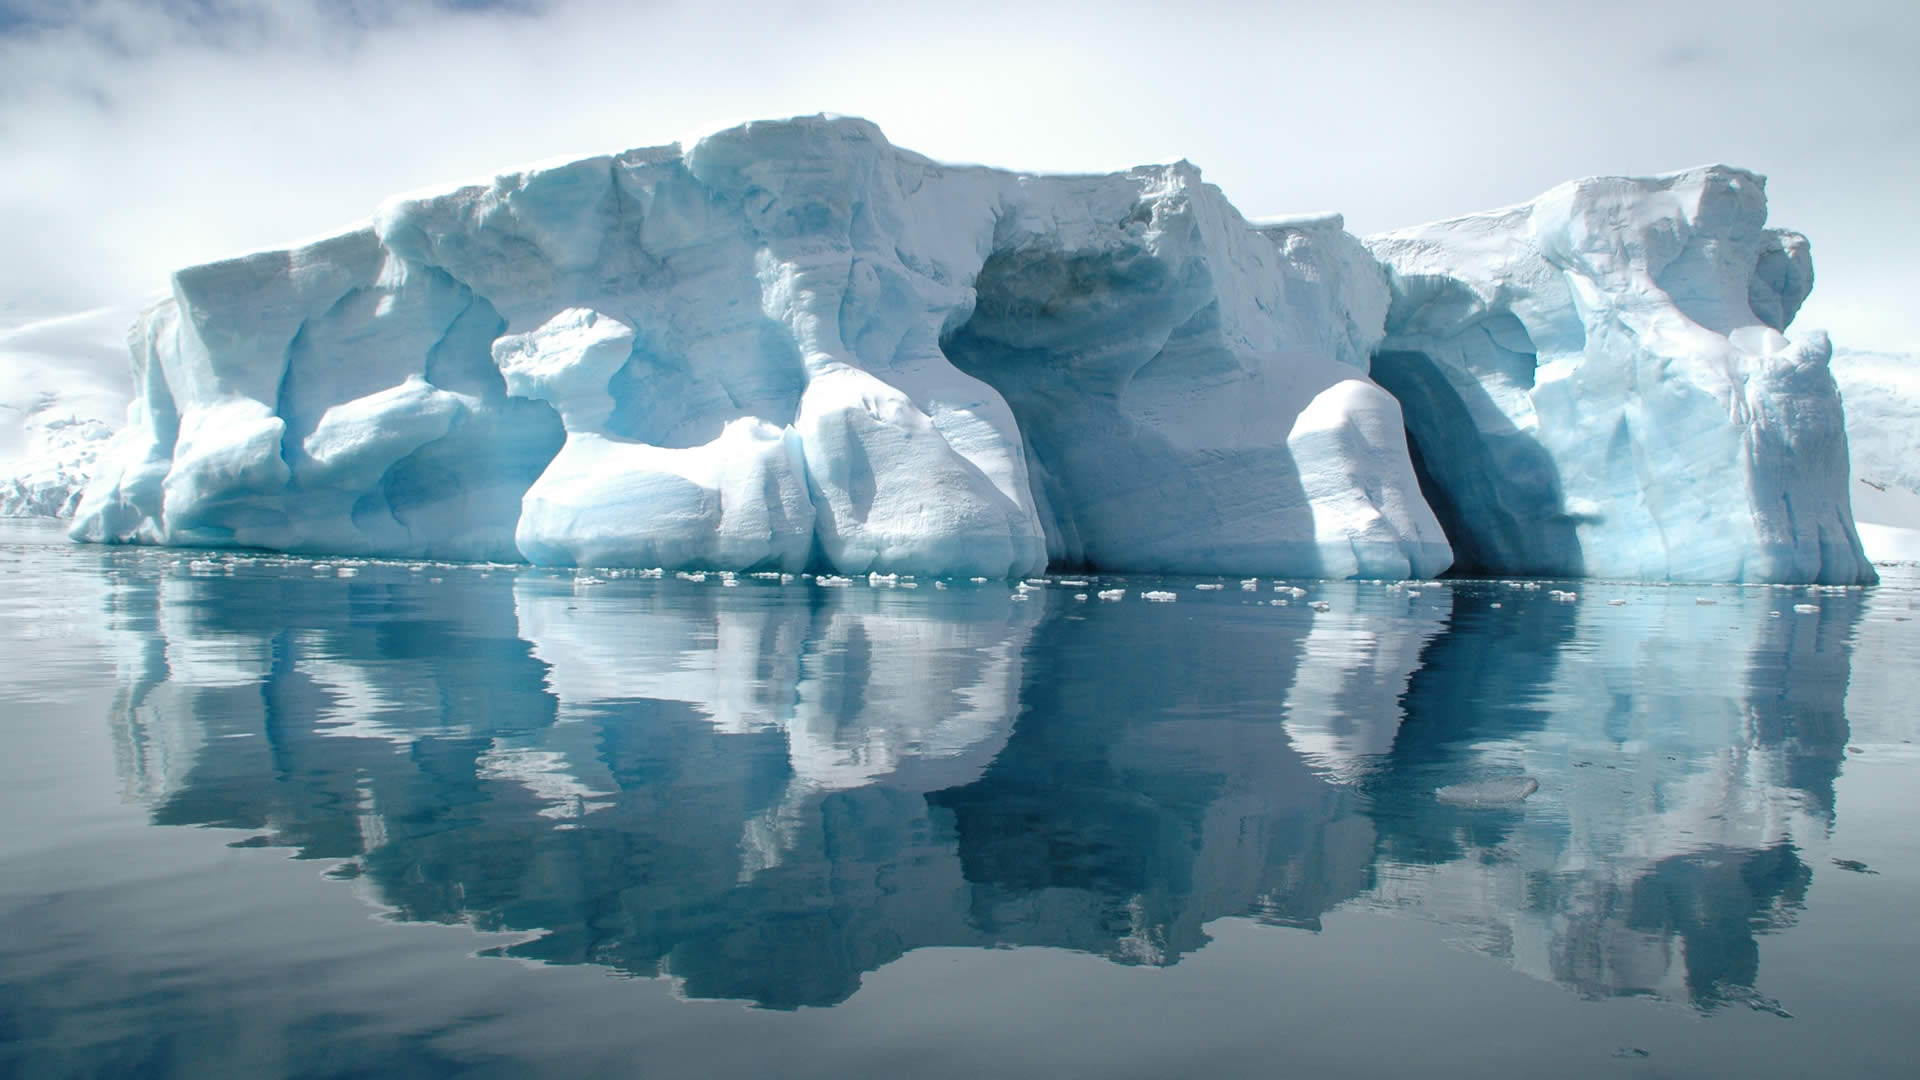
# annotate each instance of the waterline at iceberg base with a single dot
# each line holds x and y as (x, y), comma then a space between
(793, 345)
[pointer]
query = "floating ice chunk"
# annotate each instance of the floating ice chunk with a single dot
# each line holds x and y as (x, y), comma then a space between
(1600, 384)
(1112, 594)
(1321, 605)
(1159, 596)
(1563, 596)
(1501, 791)
(833, 581)
(1807, 609)
(1616, 602)
(1209, 587)
(1705, 601)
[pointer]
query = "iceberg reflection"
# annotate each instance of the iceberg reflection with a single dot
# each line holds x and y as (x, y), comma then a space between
(766, 791)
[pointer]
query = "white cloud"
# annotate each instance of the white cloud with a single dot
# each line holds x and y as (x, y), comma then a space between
(139, 137)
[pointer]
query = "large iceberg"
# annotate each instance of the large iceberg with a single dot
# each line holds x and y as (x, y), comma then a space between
(1597, 383)
(792, 345)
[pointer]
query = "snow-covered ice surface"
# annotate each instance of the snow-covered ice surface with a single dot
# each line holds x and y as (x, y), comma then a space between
(1597, 383)
(62, 393)
(793, 345)
(1882, 394)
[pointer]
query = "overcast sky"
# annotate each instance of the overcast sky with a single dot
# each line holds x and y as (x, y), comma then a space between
(140, 135)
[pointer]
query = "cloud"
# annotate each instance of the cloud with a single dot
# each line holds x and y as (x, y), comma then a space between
(141, 135)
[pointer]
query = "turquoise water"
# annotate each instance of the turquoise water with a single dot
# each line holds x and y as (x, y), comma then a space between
(263, 819)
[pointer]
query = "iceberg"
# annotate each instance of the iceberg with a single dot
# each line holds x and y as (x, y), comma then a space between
(1598, 383)
(791, 345)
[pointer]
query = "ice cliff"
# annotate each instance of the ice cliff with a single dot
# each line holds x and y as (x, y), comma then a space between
(794, 345)
(1597, 383)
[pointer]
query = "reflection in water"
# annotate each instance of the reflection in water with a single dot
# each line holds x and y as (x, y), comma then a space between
(766, 792)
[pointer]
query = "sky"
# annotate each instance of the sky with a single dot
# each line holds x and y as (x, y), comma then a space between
(138, 136)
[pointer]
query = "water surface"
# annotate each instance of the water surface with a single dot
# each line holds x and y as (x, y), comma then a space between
(264, 819)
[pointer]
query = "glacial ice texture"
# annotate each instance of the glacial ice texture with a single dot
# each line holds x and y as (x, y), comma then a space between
(790, 345)
(1598, 383)
(795, 346)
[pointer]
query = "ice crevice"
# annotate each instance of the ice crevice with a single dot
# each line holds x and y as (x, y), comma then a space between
(793, 345)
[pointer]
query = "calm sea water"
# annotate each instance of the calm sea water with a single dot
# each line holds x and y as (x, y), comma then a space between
(260, 818)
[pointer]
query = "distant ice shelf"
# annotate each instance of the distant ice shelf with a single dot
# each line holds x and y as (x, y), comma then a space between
(792, 345)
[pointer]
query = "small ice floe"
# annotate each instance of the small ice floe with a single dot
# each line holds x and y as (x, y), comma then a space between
(940, 585)
(1321, 605)
(1074, 583)
(695, 576)
(766, 575)
(1530, 586)
(878, 579)
(1080, 597)
(354, 571)
(1277, 603)
(1413, 592)
(786, 579)
(1705, 601)
(978, 580)
(1807, 609)
(584, 582)
(1562, 595)
(1501, 791)
(833, 581)
(322, 568)
(203, 566)
(1616, 602)
(1209, 586)
(1296, 592)
(1496, 604)
(435, 580)
(651, 573)
(1773, 614)
(1035, 581)
(730, 582)
(909, 584)
(1251, 584)
(1159, 596)
(1112, 594)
